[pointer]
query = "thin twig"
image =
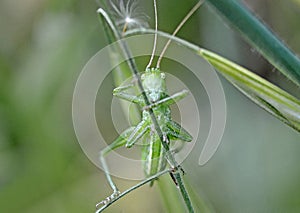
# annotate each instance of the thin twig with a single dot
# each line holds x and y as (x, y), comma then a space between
(147, 180)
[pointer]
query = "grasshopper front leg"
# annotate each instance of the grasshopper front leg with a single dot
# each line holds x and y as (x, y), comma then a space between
(119, 92)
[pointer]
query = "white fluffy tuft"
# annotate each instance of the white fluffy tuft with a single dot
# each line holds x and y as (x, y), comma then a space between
(128, 15)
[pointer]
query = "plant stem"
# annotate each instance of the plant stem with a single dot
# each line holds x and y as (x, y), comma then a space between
(260, 37)
(184, 193)
(147, 180)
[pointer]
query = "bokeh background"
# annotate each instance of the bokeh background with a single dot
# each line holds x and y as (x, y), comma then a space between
(43, 47)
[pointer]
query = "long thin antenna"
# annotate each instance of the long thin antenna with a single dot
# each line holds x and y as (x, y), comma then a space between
(177, 29)
(155, 36)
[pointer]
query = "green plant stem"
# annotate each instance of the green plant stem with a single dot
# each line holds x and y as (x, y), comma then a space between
(172, 199)
(184, 193)
(260, 37)
(147, 180)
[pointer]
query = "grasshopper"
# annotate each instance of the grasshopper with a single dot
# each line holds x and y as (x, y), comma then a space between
(156, 128)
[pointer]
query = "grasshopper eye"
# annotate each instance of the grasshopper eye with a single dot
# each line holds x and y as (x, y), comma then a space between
(163, 75)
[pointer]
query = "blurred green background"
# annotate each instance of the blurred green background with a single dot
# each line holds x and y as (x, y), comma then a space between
(43, 47)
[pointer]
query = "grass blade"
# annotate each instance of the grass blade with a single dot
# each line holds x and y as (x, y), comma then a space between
(260, 37)
(279, 103)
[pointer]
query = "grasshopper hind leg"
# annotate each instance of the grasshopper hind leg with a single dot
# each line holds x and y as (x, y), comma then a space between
(120, 141)
(127, 138)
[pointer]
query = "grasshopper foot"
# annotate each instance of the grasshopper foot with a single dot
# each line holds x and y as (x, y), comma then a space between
(109, 199)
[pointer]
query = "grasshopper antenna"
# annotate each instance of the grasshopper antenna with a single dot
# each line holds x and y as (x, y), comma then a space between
(177, 29)
(155, 36)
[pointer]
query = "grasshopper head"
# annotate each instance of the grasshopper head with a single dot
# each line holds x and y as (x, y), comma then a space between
(154, 83)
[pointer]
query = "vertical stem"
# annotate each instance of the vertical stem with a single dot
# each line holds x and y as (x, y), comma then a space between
(171, 200)
(183, 191)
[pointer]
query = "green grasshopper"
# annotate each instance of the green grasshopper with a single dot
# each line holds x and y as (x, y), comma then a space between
(156, 128)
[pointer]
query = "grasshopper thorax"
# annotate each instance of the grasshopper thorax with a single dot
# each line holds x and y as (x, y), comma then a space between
(154, 83)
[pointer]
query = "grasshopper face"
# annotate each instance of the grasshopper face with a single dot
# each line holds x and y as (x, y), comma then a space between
(154, 83)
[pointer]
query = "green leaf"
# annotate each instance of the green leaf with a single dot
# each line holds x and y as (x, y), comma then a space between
(260, 37)
(279, 103)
